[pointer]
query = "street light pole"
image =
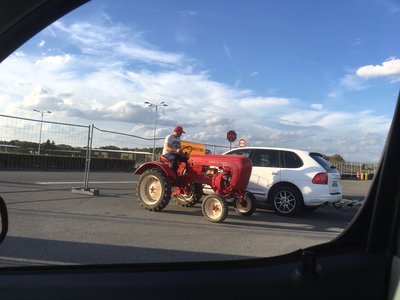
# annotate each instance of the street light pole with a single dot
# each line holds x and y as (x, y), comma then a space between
(156, 105)
(42, 112)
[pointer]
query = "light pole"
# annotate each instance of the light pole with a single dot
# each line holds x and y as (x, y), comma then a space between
(156, 105)
(42, 112)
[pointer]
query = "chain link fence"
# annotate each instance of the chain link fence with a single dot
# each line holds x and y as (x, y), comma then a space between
(29, 144)
(356, 170)
(39, 145)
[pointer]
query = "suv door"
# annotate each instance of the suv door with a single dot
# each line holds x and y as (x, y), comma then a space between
(290, 163)
(265, 173)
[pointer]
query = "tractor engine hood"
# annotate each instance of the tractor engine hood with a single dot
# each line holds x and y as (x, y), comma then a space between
(239, 167)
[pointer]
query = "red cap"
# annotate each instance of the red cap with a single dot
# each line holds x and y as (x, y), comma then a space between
(179, 128)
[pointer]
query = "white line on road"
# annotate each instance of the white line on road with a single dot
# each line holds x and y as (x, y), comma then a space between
(80, 182)
(33, 261)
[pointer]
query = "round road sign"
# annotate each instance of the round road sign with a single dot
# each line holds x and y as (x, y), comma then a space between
(242, 142)
(231, 136)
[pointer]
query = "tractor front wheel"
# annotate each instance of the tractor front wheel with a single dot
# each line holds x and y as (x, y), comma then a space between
(154, 190)
(214, 208)
(247, 206)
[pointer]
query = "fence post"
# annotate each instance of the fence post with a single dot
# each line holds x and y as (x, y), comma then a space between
(351, 170)
(86, 190)
(88, 157)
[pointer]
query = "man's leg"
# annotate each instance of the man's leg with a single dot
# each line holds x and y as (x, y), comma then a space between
(173, 158)
(183, 158)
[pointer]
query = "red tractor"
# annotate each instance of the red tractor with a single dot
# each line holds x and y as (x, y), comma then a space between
(227, 175)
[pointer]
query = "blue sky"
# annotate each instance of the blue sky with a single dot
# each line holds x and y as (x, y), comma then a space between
(315, 75)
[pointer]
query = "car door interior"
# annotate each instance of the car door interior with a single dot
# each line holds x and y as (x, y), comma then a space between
(4, 220)
(355, 265)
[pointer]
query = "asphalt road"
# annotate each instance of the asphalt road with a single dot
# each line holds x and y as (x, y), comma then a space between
(50, 225)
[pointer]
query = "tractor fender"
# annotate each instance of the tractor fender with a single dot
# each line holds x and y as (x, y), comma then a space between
(155, 165)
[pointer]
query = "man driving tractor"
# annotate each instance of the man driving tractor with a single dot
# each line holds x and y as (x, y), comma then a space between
(172, 147)
(227, 175)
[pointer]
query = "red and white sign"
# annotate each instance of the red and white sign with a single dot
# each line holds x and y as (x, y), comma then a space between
(231, 136)
(242, 142)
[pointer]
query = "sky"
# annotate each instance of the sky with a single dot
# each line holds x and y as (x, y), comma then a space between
(320, 76)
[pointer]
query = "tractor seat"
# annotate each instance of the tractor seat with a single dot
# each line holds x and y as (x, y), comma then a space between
(164, 159)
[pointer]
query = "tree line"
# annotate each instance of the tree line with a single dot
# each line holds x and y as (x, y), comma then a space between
(51, 145)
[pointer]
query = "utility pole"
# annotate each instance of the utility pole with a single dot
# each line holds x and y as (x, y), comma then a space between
(156, 105)
(42, 112)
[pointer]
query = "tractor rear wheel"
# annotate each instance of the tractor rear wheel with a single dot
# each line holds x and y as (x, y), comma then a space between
(154, 190)
(196, 192)
(214, 208)
(247, 206)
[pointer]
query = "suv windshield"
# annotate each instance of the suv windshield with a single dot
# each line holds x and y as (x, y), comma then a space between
(88, 105)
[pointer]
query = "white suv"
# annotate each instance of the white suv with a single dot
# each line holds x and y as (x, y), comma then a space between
(290, 180)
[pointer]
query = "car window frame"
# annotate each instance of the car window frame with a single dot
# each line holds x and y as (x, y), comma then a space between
(261, 150)
(284, 160)
(323, 163)
(367, 246)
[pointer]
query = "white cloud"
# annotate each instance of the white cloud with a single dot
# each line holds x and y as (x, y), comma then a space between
(302, 118)
(390, 67)
(58, 60)
(357, 42)
(335, 119)
(334, 94)
(149, 55)
(353, 83)
(259, 103)
(317, 106)
(206, 108)
(227, 51)
(117, 40)
(86, 34)
(391, 6)
(237, 83)
(183, 37)
(187, 13)
(115, 70)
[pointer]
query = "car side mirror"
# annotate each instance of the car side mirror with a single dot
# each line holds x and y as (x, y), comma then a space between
(4, 219)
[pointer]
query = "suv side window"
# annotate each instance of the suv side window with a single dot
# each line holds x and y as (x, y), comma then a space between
(291, 160)
(245, 152)
(265, 158)
(325, 164)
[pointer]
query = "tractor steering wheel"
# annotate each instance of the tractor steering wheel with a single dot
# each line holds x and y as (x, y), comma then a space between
(188, 149)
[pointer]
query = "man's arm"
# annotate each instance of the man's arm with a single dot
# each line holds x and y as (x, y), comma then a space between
(168, 146)
(169, 149)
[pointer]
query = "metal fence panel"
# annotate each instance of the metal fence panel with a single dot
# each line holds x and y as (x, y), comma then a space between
(124, 146)
(39, 145)
(356, 169)
(27, 144)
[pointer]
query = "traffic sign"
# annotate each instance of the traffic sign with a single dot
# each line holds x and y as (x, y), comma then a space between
(242, 142)
(231, 136)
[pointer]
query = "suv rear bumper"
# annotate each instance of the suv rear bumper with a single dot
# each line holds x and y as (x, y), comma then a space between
(329, 199)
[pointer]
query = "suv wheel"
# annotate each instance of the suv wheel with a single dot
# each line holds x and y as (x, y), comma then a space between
(287, 200)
